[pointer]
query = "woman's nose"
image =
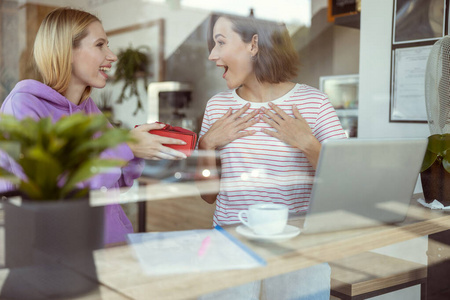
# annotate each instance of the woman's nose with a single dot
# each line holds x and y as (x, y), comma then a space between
(213, 55)
(111, 56)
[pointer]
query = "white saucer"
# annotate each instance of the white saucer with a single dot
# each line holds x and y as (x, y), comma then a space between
(288, 232)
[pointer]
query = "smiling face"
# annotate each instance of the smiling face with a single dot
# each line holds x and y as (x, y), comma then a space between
(232, 54)
(92, 59)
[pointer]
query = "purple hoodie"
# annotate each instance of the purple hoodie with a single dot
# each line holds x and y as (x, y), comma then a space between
(31, 98)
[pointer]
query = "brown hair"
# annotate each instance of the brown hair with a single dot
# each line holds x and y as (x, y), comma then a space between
(61, 31)
(276, 60)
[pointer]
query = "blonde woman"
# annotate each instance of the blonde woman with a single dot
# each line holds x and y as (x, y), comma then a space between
(71, 53)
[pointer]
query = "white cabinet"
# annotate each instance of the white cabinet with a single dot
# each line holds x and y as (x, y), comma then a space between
(342, 90)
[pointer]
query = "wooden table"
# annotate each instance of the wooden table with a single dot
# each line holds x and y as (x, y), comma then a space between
(118, 267)
(121, 277)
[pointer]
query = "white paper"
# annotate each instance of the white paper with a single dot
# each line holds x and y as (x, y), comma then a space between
(408, 101)
(433, 205)
(161, 253)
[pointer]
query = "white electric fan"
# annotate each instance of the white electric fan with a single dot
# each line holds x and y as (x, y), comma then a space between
(437, 87)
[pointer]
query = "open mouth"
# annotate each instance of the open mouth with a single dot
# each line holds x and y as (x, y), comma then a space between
(103, 70)
(225, 72)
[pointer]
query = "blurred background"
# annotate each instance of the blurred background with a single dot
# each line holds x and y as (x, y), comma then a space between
(172, 33)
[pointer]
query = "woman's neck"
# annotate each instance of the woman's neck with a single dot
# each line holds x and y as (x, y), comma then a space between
(73, 94)
(264, 92)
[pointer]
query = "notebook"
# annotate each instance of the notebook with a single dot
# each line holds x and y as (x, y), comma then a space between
(175, 252)
(363, 182)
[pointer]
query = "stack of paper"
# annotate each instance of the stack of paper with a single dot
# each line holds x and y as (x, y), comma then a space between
(161, 253)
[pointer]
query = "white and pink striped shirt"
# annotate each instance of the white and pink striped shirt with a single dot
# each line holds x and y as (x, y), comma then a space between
(260, 168)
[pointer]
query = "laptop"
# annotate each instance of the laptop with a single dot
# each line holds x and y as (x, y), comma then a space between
(363, 182)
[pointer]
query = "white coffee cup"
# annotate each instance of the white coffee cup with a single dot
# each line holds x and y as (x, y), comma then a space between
(265, 218)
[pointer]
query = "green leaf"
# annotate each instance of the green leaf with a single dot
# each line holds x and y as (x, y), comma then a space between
(132, 64)
(81, 193)
(13, 129)
(11, 148)
(438, 143)
(56, 144)
(428, 160)
(68, 149)
(446, 164)
(33, 191)
(66, 125)
(45, 125)
(446, 160)
(6, 175)
(88, 169)
(97, 123)
(41, 162)
(109, 139)
(438, 149)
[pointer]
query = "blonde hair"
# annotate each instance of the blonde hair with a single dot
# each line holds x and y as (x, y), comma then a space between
(60, 32)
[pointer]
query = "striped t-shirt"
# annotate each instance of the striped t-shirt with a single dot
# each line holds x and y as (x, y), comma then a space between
(260, 168)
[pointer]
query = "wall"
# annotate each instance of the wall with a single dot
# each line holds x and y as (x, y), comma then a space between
(317, 5)
(326, 49)
(375, 64)
(374, 89)
(179, 24)
(12, 27)
(320, 47)
(79, 3)
(323, 50)
(16, 15)
(190, 64)
(19, 23)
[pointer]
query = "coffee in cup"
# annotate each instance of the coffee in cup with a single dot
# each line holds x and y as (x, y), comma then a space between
(265, 218)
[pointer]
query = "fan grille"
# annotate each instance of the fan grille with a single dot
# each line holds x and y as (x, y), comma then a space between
(437, 87)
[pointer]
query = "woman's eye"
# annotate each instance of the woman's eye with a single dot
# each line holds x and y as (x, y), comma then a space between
(220, 43)
(100, 45)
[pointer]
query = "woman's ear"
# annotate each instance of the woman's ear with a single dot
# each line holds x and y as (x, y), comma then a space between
(254, 45)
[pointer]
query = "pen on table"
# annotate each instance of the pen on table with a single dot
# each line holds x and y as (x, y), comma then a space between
(204, 246)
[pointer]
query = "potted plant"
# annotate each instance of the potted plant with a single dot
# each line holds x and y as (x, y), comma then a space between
(132, 65)
(105, 105)
(52, 231)
(435, 171)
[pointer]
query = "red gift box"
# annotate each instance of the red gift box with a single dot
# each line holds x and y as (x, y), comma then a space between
(180, 133)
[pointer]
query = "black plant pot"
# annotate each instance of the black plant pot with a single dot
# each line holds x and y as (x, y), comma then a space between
(436, 184)
(49, 248)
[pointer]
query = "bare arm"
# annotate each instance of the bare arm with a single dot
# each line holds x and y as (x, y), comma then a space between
(150, 146)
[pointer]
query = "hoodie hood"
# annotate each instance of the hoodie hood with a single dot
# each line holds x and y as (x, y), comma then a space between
(46, 93)
(42, 101)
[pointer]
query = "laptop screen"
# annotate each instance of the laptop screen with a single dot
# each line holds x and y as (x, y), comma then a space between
(364, 182)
